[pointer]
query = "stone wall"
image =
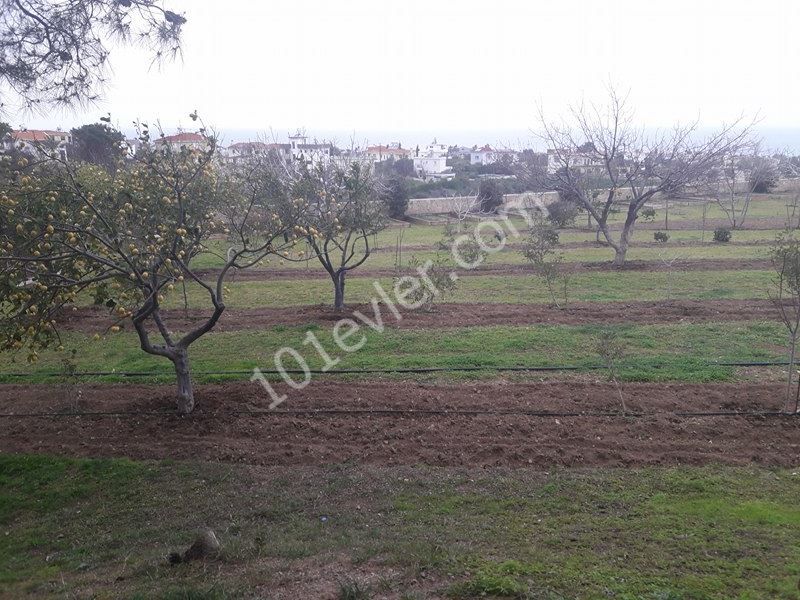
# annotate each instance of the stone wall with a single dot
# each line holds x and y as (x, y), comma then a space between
(440, 206)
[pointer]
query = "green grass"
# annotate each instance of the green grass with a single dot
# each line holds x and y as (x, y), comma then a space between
(512, 256)
(38, 487)
(75, 527)
(684, 351)
(603, 286)
(762, 206)
(700, 530)
(428, 236)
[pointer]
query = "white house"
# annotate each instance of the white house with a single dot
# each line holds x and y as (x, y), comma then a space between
(488, 155)
(432, 149)
(431, 161)
(33, 141)
(430, 165)
(241, 151)
(311, 153)
(586, 163)
(192, 141)
(484, 156)
(392, 151)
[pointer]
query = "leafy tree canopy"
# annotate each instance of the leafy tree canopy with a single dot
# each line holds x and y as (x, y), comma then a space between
(97, 143)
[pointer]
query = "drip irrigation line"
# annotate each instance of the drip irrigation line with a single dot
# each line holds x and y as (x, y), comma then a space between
(354, 371)
(413, 412)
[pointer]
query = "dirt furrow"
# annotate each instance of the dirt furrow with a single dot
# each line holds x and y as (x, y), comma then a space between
(223, 428)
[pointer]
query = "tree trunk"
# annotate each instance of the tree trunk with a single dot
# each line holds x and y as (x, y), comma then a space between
(184, 378)
(621, 249)
(338, 289)
(792, 354)
(619, 253)
(705, 212)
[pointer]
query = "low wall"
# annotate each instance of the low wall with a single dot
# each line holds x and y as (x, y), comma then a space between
(441, 206)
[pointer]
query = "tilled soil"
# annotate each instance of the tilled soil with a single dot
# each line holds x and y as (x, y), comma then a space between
(96, 320)
(232, 424)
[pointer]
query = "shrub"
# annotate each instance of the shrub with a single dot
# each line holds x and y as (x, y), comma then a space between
(417, 292)
(648, 214)
(722, 235)
(396, 197)
(539, 249)
(540, 243)
(562, 213)
(490, 195)
(661, 236)
(764, 177)
(468, 250)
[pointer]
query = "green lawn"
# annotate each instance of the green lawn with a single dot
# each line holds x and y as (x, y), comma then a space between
(682, 350)
(761, 206)
(603, 286)
(677, 236)
(429, 236)
(103, 528)
(512, 255)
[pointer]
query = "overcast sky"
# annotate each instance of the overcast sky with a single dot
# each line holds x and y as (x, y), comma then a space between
(464, 71)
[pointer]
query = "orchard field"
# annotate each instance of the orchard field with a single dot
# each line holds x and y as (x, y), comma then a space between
(478, 449)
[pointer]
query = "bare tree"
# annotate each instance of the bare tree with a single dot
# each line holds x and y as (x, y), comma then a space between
(740, 173)
(793, 212)
(786, 259)
(56, 53)
(611, 350)
(669, 266)
(464, 206)
(602, 149)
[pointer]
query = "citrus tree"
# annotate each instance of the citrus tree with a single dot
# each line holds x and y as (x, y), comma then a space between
(70, 232)
(342, 209)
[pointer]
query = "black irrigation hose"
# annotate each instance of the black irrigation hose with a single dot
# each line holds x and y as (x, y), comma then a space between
(375, 371)
(411, 412)
(415, 412)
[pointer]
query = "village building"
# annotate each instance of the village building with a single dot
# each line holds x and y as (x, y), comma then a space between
(488, 155)
(36, 141)
(392, 151)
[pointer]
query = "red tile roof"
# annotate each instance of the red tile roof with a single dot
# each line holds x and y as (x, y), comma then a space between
(182, 138)
(36, 135)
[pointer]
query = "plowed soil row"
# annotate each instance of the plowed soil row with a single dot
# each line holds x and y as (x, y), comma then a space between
(223, 428)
